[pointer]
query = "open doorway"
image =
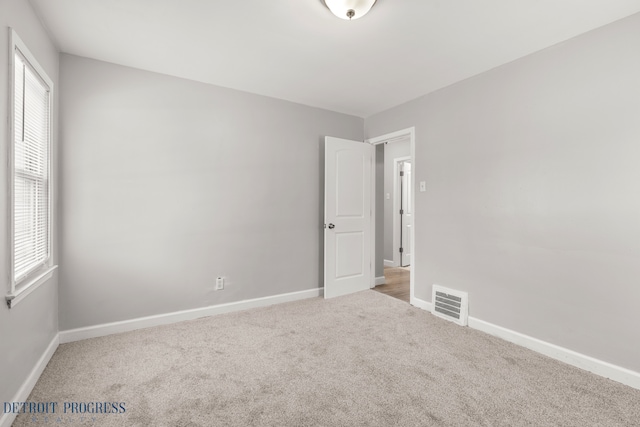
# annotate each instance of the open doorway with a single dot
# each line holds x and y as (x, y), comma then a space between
(394, 195)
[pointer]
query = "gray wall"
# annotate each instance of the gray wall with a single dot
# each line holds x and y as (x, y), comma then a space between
(167, 183)
(392, 151)
(27, 329)
(532, 201)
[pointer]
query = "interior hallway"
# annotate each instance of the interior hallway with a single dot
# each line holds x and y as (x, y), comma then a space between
(397, 283)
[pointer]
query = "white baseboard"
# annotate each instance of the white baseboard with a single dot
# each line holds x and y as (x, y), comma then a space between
(570, 357)
(588, 363)
(417, 302)
(179, 316)
(380, 280)
(23, 394)
(389, 263)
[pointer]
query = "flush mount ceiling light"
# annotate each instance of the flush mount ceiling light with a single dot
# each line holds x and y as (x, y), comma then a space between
(349, 9)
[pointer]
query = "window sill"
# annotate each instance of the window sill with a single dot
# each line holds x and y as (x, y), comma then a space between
(13, 298)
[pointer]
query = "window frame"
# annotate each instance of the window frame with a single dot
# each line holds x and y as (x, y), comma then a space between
(41, 274)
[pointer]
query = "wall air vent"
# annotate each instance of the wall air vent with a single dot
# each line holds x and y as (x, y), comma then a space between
(450, 304)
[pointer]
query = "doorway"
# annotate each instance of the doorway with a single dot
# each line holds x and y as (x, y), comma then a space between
(394, 196)
(354, 230)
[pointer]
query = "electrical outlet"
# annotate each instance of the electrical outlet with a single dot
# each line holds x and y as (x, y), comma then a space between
(219, 283)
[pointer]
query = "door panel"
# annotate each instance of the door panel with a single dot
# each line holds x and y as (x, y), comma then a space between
(349, 261)
(349, 185)
(347, 234)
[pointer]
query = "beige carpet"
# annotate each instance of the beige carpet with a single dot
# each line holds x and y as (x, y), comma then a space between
(360, 360)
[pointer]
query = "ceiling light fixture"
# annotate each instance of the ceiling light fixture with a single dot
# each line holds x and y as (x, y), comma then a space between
(349, 9)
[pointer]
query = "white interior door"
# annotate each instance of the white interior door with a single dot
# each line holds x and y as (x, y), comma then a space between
(347, 216)
(407, 215)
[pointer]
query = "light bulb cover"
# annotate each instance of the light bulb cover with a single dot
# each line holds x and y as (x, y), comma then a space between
(349, 9)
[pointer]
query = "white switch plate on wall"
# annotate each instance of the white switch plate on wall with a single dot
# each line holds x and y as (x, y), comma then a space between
(423, 186)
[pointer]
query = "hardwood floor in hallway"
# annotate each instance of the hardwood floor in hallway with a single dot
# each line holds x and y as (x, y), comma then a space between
(397, 283)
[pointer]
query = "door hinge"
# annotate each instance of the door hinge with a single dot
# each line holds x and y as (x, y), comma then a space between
(401, 173)
(401, 211)
(401, 250)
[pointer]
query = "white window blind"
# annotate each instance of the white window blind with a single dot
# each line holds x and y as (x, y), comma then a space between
(31, 237)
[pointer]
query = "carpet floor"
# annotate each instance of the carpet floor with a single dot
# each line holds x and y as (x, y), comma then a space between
(361, 360)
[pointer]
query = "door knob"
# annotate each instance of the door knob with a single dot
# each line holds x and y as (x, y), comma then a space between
(331, 226)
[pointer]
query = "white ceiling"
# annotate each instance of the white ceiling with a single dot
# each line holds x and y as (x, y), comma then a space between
(298, 51)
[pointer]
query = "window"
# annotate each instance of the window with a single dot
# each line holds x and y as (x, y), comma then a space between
(30, 152)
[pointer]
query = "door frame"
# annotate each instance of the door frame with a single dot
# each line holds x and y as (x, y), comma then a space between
(392, 137)
(397, 261)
